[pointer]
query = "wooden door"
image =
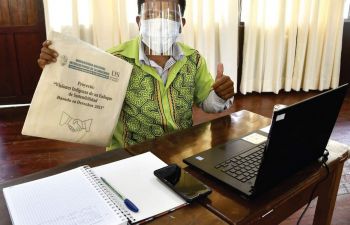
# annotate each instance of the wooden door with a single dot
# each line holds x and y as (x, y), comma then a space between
(22, 30)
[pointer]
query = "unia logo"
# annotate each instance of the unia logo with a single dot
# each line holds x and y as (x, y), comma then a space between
(63, 59)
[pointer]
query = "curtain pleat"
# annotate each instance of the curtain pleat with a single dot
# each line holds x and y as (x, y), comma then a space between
(292, 44)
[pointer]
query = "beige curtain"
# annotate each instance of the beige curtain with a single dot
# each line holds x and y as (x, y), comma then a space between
(292, 44)
(211, 26)
(103, 23)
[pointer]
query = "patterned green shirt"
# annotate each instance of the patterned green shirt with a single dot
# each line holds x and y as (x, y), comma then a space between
(152, 109)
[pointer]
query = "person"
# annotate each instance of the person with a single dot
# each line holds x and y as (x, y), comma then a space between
(167, 78)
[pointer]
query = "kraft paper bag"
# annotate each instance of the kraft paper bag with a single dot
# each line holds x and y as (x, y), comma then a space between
(78, 98)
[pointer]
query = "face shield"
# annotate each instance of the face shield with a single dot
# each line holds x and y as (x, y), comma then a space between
(160, 26)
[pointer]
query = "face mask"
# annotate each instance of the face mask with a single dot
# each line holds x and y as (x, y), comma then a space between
(159, 34)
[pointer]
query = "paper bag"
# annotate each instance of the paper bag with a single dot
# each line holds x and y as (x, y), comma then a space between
(78, 98)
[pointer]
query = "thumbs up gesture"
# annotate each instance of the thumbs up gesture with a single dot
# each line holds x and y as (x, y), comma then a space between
(223, 85)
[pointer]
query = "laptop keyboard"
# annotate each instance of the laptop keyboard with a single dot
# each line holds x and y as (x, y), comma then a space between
(244, 166)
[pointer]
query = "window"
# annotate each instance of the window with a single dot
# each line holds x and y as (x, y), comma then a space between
(346, 10)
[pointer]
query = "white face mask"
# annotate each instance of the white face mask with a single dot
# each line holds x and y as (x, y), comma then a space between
(159, 34)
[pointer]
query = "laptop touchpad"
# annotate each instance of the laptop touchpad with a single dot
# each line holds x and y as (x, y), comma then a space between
(237, 146)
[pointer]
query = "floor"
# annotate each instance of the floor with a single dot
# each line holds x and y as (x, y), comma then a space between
(18, 154)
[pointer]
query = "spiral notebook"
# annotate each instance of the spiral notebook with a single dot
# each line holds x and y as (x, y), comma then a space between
(79, 196)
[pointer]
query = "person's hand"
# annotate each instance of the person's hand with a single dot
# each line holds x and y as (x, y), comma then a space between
(47, 55)
(223, 85)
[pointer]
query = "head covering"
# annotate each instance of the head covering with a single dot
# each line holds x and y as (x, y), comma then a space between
(160, 26)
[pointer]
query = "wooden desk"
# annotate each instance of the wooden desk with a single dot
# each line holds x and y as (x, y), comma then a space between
(191, 214)
(224, 204)
(280, 202)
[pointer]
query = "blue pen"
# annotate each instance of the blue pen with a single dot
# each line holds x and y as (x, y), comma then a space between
(127, 202)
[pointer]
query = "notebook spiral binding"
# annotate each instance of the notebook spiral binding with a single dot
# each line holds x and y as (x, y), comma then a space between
(112, 200)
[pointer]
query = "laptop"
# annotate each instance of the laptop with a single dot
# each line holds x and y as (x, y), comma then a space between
(298, 137)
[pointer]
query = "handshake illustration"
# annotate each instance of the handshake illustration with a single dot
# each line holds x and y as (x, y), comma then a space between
(75, 125)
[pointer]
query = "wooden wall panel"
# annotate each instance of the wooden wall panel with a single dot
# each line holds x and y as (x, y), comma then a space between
(9, 85)
(15, 13)
(27, 50)
(5, 18)
(33, 9)
(20, 12)
(22, 30)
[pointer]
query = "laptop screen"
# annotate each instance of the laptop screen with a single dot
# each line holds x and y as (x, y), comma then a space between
(298, 136)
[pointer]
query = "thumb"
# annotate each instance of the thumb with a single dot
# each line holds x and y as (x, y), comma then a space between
(219, 71)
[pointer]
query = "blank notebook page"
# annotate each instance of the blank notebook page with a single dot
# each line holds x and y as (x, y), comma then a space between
(133, 177)
(67, 198)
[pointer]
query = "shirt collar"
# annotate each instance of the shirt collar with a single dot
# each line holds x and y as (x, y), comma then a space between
(177, 53)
